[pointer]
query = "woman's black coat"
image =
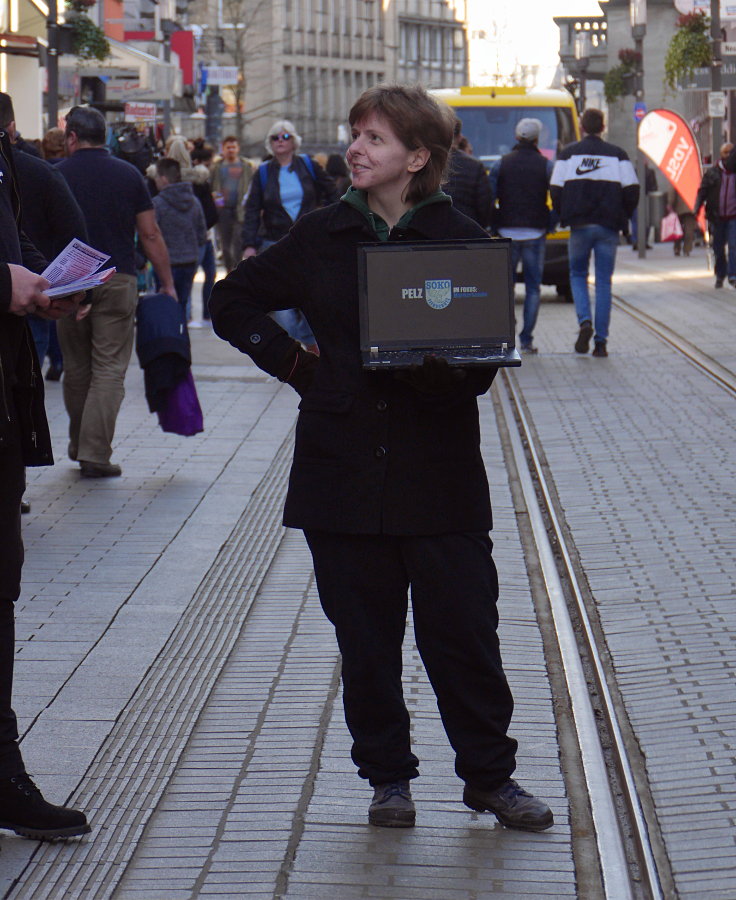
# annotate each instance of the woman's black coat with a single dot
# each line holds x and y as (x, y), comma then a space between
(373, 455)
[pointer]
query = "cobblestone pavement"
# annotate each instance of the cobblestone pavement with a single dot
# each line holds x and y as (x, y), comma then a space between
(641, 448)
(219, 764)
(176, 676)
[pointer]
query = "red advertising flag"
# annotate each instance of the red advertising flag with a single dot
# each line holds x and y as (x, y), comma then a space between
(667, 140)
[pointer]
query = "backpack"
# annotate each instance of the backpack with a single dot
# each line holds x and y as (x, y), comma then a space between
(263, 170)
(135, 148)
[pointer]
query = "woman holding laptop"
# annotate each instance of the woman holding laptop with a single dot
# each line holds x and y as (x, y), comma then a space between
(388, 483)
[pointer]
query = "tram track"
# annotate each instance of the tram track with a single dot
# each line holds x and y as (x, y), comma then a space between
(629, 866)
(710, 367)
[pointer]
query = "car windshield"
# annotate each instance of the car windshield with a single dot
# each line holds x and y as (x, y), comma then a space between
(490, 129)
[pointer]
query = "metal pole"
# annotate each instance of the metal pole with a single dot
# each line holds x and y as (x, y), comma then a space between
(52, 66)
(716, 84)
(642, 218)
(167, 103)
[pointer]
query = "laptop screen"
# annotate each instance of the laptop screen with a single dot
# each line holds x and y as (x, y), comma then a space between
(436, 293)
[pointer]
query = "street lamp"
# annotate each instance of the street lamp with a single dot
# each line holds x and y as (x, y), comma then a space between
(638, 11)
(582, 57)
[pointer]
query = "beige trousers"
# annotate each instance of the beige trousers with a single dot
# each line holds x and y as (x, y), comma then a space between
(96, 355)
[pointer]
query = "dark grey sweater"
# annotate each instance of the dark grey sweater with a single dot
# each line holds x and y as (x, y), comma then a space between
(181, 220)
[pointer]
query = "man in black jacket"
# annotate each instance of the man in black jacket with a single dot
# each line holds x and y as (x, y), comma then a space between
(594, 190)
(719, 197)
(24, 441)
(520, 184)
(467, 182)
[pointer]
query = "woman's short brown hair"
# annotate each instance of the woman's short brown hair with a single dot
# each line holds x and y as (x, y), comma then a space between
(52, 145)
(417, 120)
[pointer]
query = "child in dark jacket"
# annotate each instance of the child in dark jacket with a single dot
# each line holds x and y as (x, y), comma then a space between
(181, 220)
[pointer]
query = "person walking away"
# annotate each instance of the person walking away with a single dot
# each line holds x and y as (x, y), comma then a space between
(180, 217)
(520, 186)
(388, 482)
(337, 169)
(467, 182)
(51, 218)
(650, 187)
(717, 192)
(594, 190)
(231, 177)
(24, 441)
(202, 160)
(285, 188)
(676, 204)
(97, 349)
(52, 145)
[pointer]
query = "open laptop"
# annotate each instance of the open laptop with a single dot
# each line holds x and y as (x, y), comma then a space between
(450, 299)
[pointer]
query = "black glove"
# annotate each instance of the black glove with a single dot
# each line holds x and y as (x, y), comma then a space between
(434, 376)
(298, 370)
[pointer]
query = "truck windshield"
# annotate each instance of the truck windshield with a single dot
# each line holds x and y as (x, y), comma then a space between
(490, 129)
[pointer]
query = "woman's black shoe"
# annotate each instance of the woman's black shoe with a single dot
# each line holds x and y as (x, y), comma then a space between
(24, 811)
(53, 373)
(392, 806)
(512, 806)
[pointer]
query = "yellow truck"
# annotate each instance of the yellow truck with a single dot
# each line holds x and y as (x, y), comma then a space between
(489, 116)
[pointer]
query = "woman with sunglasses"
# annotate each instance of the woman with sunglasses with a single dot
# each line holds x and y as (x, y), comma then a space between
(388, 482)
(284, 188)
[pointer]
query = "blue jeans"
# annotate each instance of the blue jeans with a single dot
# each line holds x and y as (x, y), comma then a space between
(209, 267)
(531, 254)
(293, 321)
(41, 330)
(602, 242)
(183, 280)
(724, 235)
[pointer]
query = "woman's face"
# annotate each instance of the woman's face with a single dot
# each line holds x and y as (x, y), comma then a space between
(282, 145)
(378, 160)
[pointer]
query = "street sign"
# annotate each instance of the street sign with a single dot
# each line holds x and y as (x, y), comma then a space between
(640, 110)
(140, 112)
(716, 104)
(220, 75)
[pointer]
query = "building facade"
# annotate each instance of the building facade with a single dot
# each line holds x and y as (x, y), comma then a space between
(308, 60)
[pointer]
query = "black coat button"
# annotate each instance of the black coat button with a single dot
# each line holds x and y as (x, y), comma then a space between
(380, 452)
(255, 339)
(381, 406)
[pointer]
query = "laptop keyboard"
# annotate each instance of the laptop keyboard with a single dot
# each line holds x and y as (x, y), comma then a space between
(455, 356)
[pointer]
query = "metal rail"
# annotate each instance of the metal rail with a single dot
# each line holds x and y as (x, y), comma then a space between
(614, 865)
(694, 355)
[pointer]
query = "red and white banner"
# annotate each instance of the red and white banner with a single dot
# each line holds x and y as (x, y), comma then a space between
(667, 140)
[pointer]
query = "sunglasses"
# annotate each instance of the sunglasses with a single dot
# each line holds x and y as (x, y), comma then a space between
(280, 137)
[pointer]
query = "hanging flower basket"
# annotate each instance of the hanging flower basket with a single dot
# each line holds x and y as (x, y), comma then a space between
(689, 49)
(88, 39)
(619, 81)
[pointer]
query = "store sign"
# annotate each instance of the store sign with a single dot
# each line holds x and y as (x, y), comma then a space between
(728, 7)
(700, 78)
(220, 75)
(140, 112)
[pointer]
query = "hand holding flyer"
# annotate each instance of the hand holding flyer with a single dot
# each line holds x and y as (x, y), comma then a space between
(76, 268)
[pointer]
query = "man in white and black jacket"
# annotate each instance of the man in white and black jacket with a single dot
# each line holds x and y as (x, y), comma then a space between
(594, 190)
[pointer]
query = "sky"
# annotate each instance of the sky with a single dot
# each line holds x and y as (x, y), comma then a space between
(520, 30)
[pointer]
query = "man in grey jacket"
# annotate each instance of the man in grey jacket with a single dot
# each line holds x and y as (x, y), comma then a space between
(180, 217)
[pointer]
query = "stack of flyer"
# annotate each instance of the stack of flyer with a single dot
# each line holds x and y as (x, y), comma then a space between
(77, 268)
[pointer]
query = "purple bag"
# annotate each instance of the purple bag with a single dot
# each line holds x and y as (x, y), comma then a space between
(182, 413)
